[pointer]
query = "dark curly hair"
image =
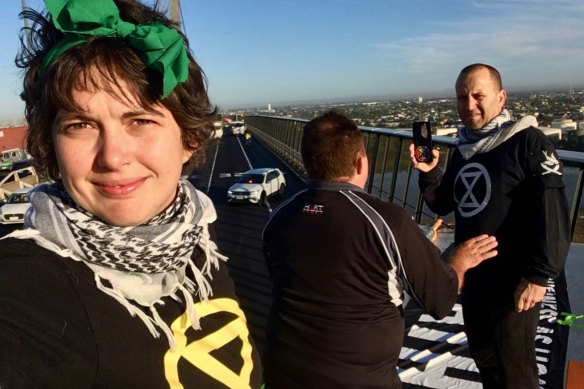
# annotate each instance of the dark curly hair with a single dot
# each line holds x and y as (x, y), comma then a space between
(97, 59)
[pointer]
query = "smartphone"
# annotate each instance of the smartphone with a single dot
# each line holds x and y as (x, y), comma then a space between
(422, 132)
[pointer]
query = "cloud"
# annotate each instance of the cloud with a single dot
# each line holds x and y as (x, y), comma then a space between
(530, 6)
(522, 40)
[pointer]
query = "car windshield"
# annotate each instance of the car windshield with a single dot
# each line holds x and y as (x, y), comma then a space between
(251, 179)
(237, 124)
(17, 198)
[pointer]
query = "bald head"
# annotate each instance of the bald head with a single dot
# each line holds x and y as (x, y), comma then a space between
(479, 96)
(494, 73)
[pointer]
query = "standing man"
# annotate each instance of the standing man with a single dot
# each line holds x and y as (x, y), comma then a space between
(340, 261)
(504, 179)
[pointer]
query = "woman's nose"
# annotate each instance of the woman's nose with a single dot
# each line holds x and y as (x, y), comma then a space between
(114, 149)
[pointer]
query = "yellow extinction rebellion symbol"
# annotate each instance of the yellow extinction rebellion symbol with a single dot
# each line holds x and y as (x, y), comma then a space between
(198, 352)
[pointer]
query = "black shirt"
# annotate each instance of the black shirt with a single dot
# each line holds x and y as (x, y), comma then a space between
(340, 261)
(57, 330)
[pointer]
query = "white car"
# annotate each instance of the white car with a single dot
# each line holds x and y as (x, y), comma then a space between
(218, 129)
(257, 185)
(12, 212)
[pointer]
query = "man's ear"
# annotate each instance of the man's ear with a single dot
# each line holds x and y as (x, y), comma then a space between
(361, 162)
(502, 97)
(362, 168)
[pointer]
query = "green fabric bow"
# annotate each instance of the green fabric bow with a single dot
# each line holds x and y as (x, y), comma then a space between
(161, 48)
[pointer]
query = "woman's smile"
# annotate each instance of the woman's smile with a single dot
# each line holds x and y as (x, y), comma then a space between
(122, 187)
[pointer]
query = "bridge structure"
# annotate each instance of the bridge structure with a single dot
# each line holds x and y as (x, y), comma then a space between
(276, 143)
(434, 353)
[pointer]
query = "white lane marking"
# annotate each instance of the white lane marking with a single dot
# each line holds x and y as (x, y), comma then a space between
(244, 154)
(213, 166)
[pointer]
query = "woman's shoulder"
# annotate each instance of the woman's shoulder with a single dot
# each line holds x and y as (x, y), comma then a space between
(36, 277)
(23, 262)
(22, 251)
(40, 311)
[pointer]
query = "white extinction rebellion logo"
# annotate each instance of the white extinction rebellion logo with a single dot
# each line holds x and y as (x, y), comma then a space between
(472, 189)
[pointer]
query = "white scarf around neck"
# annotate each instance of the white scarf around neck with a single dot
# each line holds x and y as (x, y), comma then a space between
(494, 133)
(147, 263)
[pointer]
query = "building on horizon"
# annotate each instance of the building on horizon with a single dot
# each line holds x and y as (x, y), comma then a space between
(13, 138)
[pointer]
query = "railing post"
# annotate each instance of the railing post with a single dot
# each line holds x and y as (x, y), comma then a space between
(383, 163)
(407, 186)
(575, 211)
(372, 165)
(395, 170)
(298, 142)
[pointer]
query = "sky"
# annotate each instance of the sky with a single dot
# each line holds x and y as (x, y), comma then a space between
(282, 52)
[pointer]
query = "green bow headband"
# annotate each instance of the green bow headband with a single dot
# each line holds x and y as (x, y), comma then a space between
(161, 48)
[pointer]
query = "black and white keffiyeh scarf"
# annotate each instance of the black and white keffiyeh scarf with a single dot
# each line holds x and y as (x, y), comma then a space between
(141, 264)
(497, 131)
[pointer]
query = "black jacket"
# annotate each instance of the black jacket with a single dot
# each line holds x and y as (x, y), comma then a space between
(515, 192)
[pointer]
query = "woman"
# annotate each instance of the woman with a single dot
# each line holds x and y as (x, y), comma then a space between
(115, 281)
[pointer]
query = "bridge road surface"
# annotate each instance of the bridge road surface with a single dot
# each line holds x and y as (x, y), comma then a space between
(239, 225)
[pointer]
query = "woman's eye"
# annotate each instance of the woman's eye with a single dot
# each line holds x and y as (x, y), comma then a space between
(142, 122)
(76, 126)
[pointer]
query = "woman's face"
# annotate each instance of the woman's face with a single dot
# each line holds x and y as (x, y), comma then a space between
(117, 160)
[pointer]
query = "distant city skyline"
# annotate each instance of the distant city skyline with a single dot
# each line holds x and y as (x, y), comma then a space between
(445, 94)
(280, 52)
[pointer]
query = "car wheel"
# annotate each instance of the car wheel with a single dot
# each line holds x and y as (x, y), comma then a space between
(282, 189)
(263, 199)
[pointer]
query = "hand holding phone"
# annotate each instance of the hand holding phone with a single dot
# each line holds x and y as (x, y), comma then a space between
(422, 134)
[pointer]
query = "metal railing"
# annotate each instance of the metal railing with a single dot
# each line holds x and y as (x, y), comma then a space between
(391, 175)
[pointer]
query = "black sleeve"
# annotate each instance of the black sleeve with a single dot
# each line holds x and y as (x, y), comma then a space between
(552, 224)
(36, 327)
(436, 189)
(433, 283)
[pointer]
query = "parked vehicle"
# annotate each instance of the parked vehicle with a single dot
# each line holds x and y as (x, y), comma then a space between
(21, 164)
(12, 212)
(257, 185)
(9, 156)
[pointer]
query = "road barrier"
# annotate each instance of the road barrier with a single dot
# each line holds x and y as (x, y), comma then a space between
(18, 179)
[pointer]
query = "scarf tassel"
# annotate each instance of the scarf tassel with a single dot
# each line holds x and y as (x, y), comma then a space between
(190, 308)
(164, 327)
(133, 310)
